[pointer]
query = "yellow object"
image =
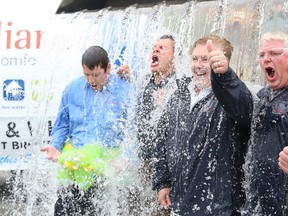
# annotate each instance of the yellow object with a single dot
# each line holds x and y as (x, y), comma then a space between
(83, 165)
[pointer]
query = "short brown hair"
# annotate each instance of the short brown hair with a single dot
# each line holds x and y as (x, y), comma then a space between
(95, 56)
(226, 46)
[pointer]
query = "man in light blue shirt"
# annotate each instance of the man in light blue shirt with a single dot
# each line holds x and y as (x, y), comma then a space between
(89, 115)
(93, 110)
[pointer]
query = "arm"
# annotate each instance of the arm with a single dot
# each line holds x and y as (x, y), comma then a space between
(59, 134)
(233, 95)
(161, 175)
(124, 72)
(230, 91)
(60, 131)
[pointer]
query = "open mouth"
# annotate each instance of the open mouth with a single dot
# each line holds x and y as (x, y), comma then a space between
(93, 86)
(155, 60)
(200, 72)
(270, 71)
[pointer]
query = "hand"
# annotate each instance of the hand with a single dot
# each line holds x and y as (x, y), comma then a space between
(217, 59)
(52, 152)
(163, 197)
(124, 72)
(283, 159)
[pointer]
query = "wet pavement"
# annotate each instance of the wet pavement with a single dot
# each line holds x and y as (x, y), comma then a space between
(5, 193)
(18, 199)
(9, 205)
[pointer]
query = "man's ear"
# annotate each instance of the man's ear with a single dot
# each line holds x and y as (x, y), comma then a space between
(108, 69)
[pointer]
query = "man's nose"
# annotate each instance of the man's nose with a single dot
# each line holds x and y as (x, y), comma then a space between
(90, 79)
(155, 49)
(196, 67)
(266, 57)
(198, 63)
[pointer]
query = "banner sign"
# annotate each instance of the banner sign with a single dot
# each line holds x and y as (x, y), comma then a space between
(20, 141)
(27, 105)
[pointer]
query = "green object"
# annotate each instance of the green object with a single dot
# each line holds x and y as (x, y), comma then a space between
(83, 165)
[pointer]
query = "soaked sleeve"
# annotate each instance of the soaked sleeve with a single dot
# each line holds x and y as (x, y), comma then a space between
(161, 174)
(233, 95)
(60, 130)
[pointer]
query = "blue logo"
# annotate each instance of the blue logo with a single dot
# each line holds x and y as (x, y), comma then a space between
(13, 90)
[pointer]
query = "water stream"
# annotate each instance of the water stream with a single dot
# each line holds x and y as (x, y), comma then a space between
(128, 35)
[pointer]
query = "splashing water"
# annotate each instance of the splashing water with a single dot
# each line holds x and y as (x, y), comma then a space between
(128, 33)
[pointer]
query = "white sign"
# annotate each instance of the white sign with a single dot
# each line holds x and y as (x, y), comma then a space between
(20, 138)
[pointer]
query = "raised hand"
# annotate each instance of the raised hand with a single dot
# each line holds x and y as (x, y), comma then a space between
(218, 61)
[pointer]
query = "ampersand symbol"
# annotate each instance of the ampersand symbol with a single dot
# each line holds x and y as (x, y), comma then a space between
(11, 132)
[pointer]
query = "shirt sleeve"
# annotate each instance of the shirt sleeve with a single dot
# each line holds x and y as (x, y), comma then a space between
(60, 130)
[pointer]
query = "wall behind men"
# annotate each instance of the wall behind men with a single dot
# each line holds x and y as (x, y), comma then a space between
(40, 56)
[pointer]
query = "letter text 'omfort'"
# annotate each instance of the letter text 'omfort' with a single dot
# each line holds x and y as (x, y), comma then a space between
(11, 38)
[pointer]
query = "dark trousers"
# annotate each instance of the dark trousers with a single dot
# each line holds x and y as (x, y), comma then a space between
(73, 202)
(142, 200)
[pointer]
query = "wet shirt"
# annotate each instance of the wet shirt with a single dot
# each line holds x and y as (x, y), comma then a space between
(88, 116)
(150, 107)
(266, 186)
(199, 155)
(267, 191)
(194, 97)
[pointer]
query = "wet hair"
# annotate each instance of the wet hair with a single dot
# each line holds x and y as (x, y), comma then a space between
(225, 45)
(95, 56)
(167, 37)
(279, 36)
(170, 37)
